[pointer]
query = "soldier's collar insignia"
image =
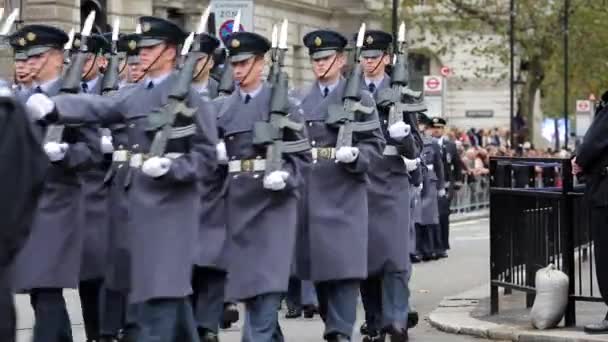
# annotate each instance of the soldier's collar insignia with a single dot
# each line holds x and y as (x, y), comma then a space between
(132, 44)
(21, 41)
(318, 41)
(31, 36)
(145, 27)
(235, 43)
(369, 40)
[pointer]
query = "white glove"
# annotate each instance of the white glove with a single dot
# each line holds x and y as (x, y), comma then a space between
(156, 166)
(222, 154)
(347, 154)
(55, 151)
(411, 164)
(399, 130)
(441, 193)
(276, 180)
(107, 146)
(39, 106)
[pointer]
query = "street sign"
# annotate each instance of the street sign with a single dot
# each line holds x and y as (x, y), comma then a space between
(445, 71)
(583, 106)
(225, 12)
(433, 85)
(591, 97)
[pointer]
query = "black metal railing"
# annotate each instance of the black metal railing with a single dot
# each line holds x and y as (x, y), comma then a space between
(537, 217)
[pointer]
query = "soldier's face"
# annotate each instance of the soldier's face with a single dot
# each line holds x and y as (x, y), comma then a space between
(157, 57)
(326, 68)
(136, 72)
(436, 132)
(90, 69)
(374, 66)
(22, 72)
(249, 71)
(203, 67)
(46, 66)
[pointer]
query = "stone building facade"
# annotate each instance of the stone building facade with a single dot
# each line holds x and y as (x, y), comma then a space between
(476, 93)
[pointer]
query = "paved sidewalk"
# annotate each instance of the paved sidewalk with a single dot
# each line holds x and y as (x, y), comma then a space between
(469, 314)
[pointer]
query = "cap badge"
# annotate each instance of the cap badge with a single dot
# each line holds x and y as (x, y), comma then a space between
(369, 40)
(145, 27)
(235, 43)
(21, 41)
(318, 41)
(132, 44)
(31, 36)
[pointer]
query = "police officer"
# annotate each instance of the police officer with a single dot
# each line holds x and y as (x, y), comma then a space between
(50, 260)
(262, 206)
(209, 276)
(453, 181)
(337, 218)
(385, 292)
(427, 228)
(162, 191)
(592, 161)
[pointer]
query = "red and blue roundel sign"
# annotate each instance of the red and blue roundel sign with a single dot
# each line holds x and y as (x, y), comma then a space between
(226, 29)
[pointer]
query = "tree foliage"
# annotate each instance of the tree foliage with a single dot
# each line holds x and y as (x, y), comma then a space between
(483, 27)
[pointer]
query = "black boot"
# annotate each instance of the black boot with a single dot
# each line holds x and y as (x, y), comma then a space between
(412, 319)
(396, 332)
(597, 328)
(230, 315)
(338, 338)
(293, 313)
(310, 311)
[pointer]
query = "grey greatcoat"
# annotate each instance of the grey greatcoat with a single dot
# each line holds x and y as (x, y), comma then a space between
(163, 214)
(388, 193)
(433, 181)
(213, 232)
(337, 203)
(52, 254)
(261, 222)
(95, 206)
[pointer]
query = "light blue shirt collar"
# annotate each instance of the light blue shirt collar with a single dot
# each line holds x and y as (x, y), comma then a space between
(331, 87)
(201, 87)
(92, 83)
(48, 84)
(376, 82)
(156, 80)
(253, 94)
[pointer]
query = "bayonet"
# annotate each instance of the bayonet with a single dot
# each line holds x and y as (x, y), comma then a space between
(138, 28)
(1, 12)
(275, 37)
(115, 30)
(283, 36)
(68, 45)
(8, 24)
(88, 25)
(202, 26)
(187, 44)
(236, 25)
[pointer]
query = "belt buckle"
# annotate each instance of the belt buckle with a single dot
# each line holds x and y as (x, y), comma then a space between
(324, 153)
(136, 161)
(246, 165)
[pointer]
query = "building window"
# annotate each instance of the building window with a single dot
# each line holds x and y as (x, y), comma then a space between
(419, 66)
(101, 15)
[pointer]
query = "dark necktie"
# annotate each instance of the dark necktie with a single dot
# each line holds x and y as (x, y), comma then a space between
(325, 92)
(371, 87)
(38, 90)
(247, 98)
(150, 85)
(85, 87)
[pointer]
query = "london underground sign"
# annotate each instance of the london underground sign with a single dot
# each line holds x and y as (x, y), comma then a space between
(433, 84)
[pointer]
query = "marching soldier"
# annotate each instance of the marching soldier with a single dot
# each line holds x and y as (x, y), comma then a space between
(427, 228)
(24, 79)
(258, 200)
(50, 260)
(209, 276)
(93, 264)
(337, 219)
(453, 174)
(161, 184)
(385, 292)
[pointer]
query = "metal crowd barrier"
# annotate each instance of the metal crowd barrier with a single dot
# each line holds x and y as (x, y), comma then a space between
(537, 217)
(473, 195)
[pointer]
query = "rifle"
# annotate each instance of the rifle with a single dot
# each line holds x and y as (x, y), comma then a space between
(343, 115)
(270, 133)
(161, 121)
(402, 101)
(226, 84)
(111, 79)
(73, 76)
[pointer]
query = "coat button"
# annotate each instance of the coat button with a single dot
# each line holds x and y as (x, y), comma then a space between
(136, 146)
(231, 138)
(313, 143)
(256, 176)
(132, 125)
(385, 122)
(121, 147)
(310, 124)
